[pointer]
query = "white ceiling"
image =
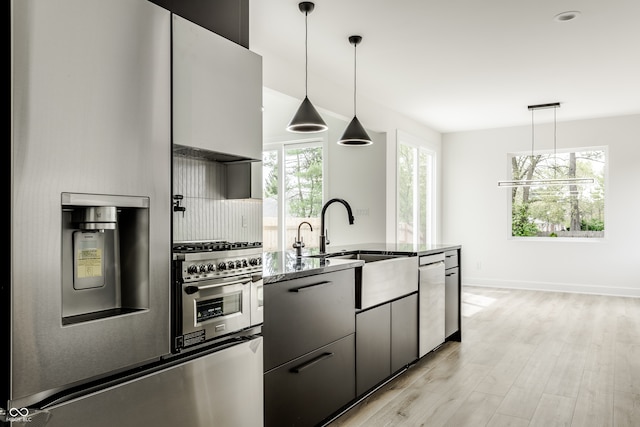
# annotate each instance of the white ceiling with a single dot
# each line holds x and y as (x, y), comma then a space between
(458, 65)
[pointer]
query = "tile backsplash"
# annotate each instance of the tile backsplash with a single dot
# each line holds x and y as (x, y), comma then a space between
(208, 214)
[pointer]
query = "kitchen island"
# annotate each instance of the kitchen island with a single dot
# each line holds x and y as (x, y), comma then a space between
(309, 337)
(328, 345)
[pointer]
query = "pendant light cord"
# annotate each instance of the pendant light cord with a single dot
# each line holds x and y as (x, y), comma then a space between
(306, 55)
(355, 64)
(555, 138)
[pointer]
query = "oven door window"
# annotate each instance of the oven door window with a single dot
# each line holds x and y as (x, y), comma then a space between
(213, 308)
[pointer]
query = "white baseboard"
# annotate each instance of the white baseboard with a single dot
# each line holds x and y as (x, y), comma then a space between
(553, 287)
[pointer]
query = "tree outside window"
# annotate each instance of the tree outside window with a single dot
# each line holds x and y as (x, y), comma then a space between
(293, 176)
(559, 211)
(415, 194)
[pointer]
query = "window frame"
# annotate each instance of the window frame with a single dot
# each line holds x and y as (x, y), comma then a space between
(419, 145)
(509, 217)
(280, 147)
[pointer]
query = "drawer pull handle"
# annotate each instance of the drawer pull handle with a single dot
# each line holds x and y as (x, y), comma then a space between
(310, 363)
(449, 256)
(310, 287)
(450, 274)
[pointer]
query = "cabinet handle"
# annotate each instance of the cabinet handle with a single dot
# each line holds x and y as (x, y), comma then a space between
(450, 274)
(310, 363)
(310, 287)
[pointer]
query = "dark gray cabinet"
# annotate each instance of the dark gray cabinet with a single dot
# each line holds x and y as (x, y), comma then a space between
(244, 180)
(404, 332)
(228, 18)
(373, 347)
(452, 295)
(386, 341)
(309, 348)
(309, 388)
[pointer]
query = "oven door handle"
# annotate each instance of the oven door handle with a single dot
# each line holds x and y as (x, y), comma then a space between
(193, 289)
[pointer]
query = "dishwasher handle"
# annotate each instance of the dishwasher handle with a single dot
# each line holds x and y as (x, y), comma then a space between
(431, 259)
(432, 265)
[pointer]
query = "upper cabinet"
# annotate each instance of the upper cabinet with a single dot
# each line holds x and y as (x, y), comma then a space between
(217, 93)
(229, 18)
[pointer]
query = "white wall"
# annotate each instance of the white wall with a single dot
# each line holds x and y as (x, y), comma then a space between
(355, 174)
(334, 99)
(476, 213)
(365, 174)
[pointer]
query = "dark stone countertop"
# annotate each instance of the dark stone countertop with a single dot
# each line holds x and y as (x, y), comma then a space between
(284, 265)
(387, 248)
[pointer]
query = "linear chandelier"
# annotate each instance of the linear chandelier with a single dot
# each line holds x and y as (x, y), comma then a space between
(545, 182)
(558, 182)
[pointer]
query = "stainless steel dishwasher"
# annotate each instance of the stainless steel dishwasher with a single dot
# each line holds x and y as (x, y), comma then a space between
(431, 330)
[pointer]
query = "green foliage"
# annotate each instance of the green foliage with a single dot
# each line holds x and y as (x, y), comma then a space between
(405, 183)
(270, 173)
(592, 224)
(302, 179)
(521, 224)
(303, 174)
(558, 207)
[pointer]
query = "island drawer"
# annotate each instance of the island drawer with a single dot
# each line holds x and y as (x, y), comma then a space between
(308, 389)
(450, 259)
(304, 314)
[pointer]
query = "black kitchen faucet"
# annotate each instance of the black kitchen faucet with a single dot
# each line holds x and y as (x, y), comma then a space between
(324, 235)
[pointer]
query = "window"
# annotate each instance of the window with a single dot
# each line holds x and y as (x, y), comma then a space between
(559, 211)
(415, 192)
(292, 187)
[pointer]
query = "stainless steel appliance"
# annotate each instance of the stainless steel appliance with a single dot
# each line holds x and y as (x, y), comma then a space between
(90, 186)
(218, 292)
(86, 324)
(431, 305)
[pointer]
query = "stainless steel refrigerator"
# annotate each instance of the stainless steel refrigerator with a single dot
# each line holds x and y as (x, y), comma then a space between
(87, 311)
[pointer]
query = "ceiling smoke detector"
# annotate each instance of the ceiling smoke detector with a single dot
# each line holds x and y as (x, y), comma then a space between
(567, 16)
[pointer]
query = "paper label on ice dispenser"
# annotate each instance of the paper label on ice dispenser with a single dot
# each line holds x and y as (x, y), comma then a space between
(88, 260)
(89, 263)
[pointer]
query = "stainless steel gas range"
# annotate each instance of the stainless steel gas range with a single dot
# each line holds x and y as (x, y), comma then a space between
(217, 293)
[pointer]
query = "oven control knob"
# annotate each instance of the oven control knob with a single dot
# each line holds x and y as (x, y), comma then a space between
(203, 268)
(192, 269)
(253, 261)
(222, 266)
(238, 264)
(230, 265)
(244, 263)
(211, 267)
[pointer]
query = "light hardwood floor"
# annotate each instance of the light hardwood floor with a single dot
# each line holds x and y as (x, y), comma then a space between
(527, 358)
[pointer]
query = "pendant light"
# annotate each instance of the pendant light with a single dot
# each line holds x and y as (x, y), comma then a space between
(355, 134)
(549, 181)
(307, 119)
